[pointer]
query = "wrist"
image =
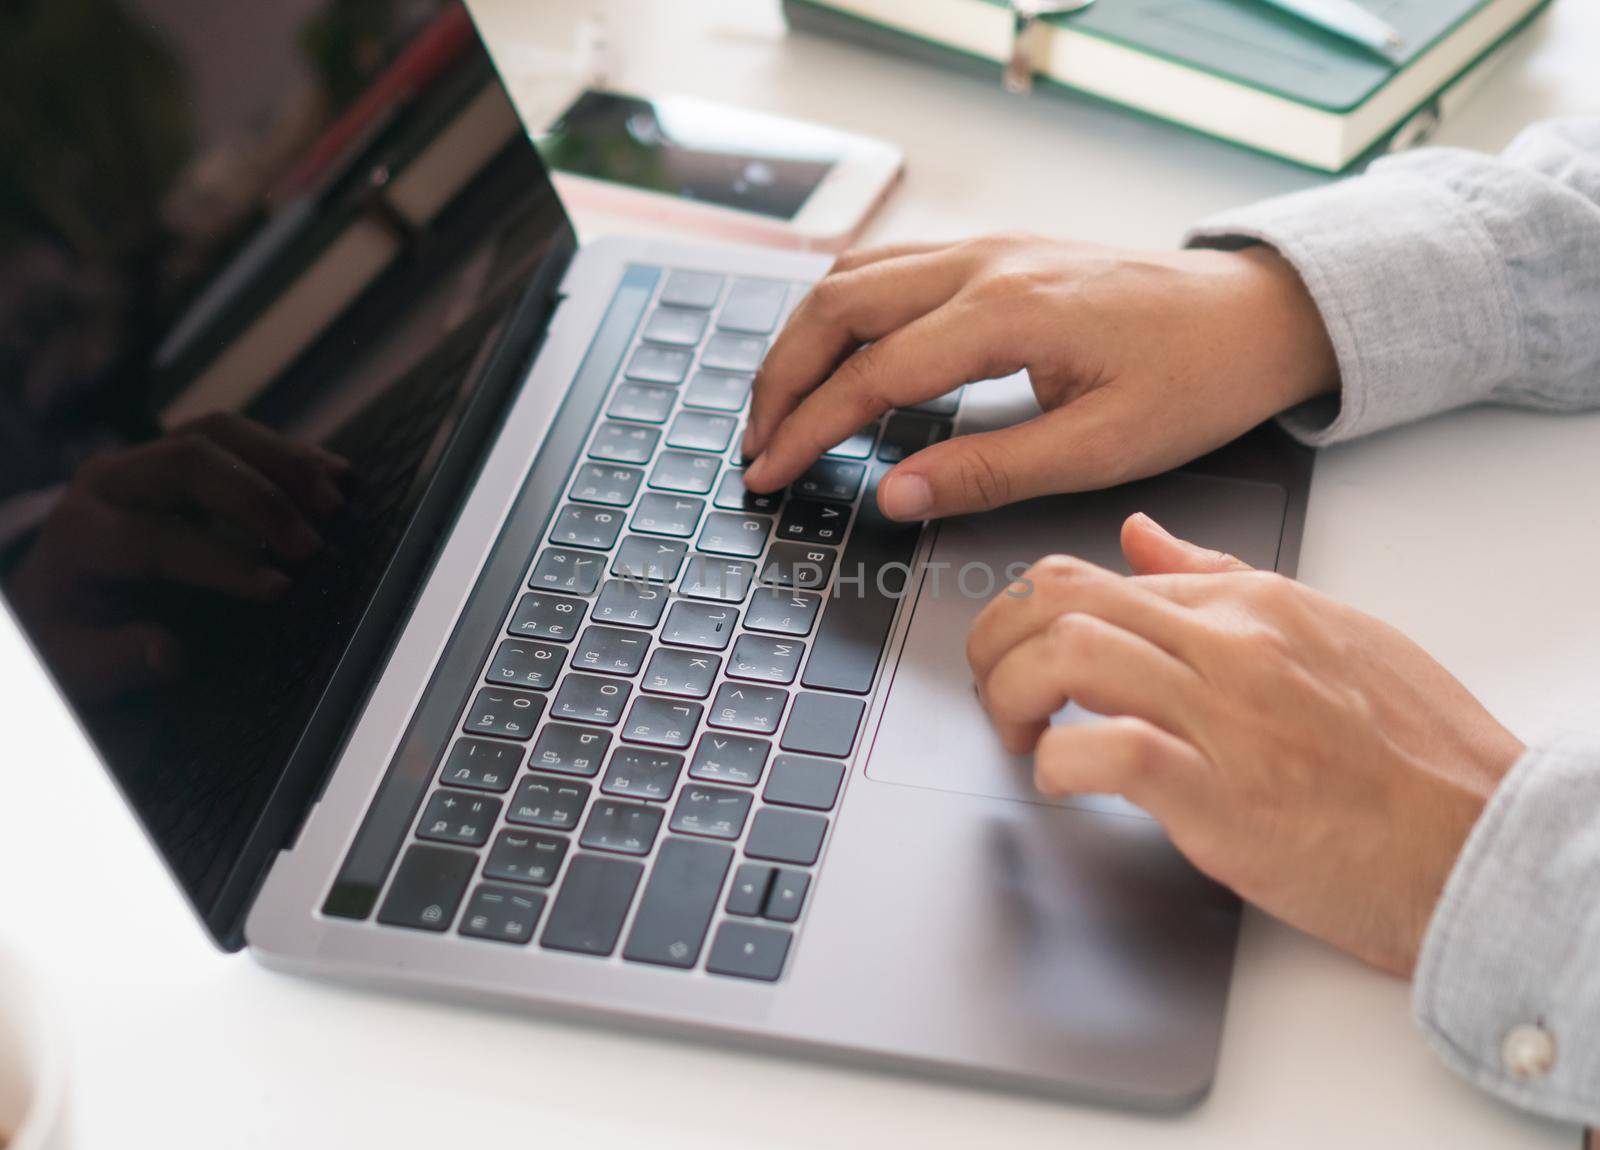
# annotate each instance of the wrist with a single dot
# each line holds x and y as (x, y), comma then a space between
(1299, 363)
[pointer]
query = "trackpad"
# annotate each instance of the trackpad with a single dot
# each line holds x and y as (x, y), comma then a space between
(934, 733)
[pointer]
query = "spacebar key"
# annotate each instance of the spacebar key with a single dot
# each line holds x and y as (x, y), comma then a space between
(872, 578)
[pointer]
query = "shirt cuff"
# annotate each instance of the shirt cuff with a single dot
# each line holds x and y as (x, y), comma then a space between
(1411, 287)
(1508, 983)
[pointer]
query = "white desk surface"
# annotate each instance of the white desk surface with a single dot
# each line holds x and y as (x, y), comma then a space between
(1478, 534)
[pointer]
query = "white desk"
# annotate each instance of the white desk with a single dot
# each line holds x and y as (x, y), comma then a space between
(1478, 534)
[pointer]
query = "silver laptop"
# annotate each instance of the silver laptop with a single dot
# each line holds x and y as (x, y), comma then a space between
(391, 548)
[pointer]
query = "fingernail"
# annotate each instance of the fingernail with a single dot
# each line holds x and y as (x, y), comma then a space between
(753, 469)
(905, 497)
(272, 582)
(1149, 522)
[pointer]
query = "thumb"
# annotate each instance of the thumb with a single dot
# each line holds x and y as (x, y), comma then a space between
(974, 473)
(1152, 550)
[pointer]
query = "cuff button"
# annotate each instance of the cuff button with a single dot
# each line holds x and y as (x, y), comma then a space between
(1528, 1051)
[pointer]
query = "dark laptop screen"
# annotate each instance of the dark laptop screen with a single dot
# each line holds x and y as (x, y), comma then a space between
(265, 281)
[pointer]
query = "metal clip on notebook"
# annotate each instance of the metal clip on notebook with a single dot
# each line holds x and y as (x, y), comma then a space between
(1018, 76)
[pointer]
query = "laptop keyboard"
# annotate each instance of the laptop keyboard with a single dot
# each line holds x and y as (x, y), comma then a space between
(656, 749)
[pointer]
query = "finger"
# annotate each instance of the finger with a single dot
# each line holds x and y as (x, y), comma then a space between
(1152, 550)
(194, 473)
(1079, 658)
(1118, 756)
(173, 550)
(975, 472)
(862, 257)
(1059, 584)
(305, 471)
(131, 657)
(929, 356)
(840, 314)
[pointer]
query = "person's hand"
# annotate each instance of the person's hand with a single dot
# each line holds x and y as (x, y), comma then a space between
(1306, 755)
(1141, 361)
(222, 504)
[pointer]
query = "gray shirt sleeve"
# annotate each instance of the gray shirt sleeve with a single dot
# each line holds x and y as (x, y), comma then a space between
(1446, 278)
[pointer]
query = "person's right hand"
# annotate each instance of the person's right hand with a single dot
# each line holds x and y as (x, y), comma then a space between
(1141, 362)
(222, 504)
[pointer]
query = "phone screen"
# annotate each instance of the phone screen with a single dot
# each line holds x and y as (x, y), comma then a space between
(695, 149)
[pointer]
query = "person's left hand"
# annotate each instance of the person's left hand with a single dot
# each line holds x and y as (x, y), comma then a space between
(1308, 756)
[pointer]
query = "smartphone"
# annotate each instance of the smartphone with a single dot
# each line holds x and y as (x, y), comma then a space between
(740, 174)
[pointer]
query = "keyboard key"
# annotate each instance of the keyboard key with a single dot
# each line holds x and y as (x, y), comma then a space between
(589, 699)
(702, 431)
(452, 817)
(627, 828)
(569, 750)
(611, 650)
(710, 811)
(612, 486)
(502, 914)
(798, 565)
(905, 435)
(661, 722)
(723, 580)
(766, 659)
(500, 711)
(629, 603)
(731, 495)
(798, 781)
(481, 764)
(707, 625)
(845, 653)
(427, 888)
(624, 443)
(742, 536)
(809, 521)
(786, 836)
(859, 445)
(831, 479)
(692, 289)
(640, 774)
(525, 664)
(822, 724)
(744, 950)
(748, 895)
(678, 903)
(668, 515)
(588, 913)
(684, 471)
(782, 611)
(544, 801)
(653, 560)
(571, 571)
(541, 616)
(681, 327)
(745, 707)
(525, 856)
(580, 526)
(786, 895)
(753, 306)
(729, 759)
(718, 391)
(642, 402)
(729, 352)
(687, 673)
(659, 365)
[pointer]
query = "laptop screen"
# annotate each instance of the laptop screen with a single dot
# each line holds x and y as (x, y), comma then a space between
(258, 267)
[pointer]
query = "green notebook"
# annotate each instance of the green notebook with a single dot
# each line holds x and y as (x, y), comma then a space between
(1242, 70)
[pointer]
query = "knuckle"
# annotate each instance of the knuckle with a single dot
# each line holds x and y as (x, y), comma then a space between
(1142, 748)
(985, 480)
(833, 296)
(1060, 572)
(1073, 633)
